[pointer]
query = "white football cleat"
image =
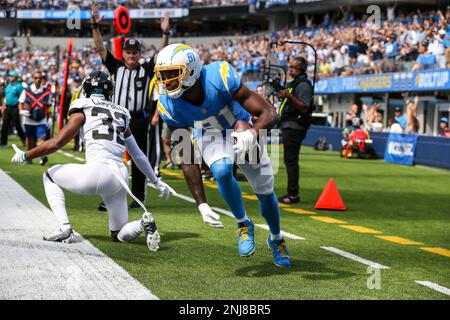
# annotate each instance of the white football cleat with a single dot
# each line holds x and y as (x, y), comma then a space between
(152, 236)
(61, 236)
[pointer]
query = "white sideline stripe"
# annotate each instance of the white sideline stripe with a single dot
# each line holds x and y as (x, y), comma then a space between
(186, 198)
(191, 200)
(355, 258)
(435, 286)
(225, 212)
(67, 154)
(34, 269)
(286, 234)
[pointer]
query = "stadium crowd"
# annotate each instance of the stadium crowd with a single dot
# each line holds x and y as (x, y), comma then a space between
(345, 46)
(112, 4)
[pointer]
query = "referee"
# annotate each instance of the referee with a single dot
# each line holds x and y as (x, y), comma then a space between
(132, 81)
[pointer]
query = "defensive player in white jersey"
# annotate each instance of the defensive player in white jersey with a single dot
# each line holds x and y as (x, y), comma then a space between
(106, 133)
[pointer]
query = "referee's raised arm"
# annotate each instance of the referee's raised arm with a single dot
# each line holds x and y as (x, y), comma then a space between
(131, 90)
(95, 20)
(165, 26)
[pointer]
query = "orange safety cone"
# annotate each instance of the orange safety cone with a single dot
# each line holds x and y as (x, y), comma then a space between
(330, 199)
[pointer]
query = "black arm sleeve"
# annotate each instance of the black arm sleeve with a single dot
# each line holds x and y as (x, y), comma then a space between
(111, 63)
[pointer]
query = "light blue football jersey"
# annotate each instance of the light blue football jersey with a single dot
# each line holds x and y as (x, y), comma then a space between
(219, 111)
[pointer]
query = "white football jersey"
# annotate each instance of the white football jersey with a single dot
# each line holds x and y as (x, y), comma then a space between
(104, 128)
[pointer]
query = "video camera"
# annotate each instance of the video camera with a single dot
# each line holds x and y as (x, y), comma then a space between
(274, 73)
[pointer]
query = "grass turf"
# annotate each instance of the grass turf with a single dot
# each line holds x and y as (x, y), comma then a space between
(198, 262)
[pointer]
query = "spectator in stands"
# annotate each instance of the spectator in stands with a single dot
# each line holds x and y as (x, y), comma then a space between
(391, 50)
(374, 119)
(400, 118)
(394, 126)
(353, 119)
(376, 57)
(444, 130)
(411, 116)
(437, 48)
(425, 61)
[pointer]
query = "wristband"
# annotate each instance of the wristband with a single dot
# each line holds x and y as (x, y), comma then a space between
(24, 156)
(94, 25)
(166, 33)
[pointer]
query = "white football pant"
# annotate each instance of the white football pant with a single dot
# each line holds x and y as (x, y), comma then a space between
(90, 179)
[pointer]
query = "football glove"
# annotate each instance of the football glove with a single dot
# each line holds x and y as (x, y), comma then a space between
(245, 140)
(164, 188)
(25, 113)
(210, 217)
(19, 157)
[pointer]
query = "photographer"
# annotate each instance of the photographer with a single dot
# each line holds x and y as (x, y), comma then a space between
(295, 113)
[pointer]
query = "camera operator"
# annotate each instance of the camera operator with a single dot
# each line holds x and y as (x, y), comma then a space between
(295, 115)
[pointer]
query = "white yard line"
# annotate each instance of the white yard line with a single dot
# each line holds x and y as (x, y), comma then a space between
(286, 234)
(36, 269)
(355, 258)
(434, 286)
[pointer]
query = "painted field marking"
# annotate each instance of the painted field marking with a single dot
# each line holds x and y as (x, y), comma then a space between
(173, 174)
(210, 185)
(298, 211)
(225, 212)
(286, 234)
(71, 156)
(250, 197)
(440, 251)
(327, 219)
(66, 154)
(355, 258)
(434, 286)
(399, 240)
(360, 229)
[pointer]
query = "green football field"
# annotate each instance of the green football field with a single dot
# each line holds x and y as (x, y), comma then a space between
(397, 217)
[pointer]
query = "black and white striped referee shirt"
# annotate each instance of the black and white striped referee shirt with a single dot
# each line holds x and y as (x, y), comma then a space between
(131, 86)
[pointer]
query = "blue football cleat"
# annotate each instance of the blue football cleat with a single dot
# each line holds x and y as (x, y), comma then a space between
(280, 254)
(246, 238)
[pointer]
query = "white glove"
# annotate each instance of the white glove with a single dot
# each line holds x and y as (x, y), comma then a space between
(25, 113)
(19, 157)
(210, 217)
(245, 140)
(164, 188)
(49, 123)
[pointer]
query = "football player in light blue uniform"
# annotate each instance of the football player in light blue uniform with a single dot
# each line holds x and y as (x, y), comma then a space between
(210, 100)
